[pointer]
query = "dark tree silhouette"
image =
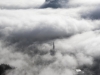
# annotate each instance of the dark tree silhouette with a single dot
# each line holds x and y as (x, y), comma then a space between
(4, 68)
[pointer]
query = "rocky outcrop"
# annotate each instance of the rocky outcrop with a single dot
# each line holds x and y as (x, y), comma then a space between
(55, 3)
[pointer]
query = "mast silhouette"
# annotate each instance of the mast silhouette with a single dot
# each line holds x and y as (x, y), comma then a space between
(52, 51)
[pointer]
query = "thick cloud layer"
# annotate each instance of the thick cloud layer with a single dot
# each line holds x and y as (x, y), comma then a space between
(93, 13)
(90, 10)
(16, 4)
(27, 36)
(84, 2)
(37, 26)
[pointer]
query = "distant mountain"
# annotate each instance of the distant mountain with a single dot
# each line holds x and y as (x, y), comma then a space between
(54, 3)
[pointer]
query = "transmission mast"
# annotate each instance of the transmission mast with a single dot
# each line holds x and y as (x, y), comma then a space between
(52, 51)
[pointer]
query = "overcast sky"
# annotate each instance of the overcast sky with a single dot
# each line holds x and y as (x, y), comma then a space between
(29, 27)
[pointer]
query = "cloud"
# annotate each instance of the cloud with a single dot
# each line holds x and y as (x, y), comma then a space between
(80, 54)
(90, 9)
(92, 13)
(27, 26)
(15, 4)
(26, 37)
(84, 2)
